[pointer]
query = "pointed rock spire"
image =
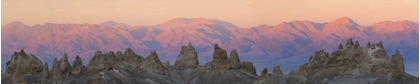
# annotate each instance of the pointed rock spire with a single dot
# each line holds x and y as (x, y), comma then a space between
(262, 76)
(368, 45)
(380, 44)
(349, 42)
(78, 68)
(153, 63)
(22, 52)
(56, 73)
(131, 57)
(397, 64)
(277, 70)
(45, 74)
(187, 58)
(64, 64)
(356, 45)
(110, 58)
(101, 62)
(153, 56)
(234, 59)
(340, 47)
(119, 56)
(219, 54)
(220, 60)
(216, 46)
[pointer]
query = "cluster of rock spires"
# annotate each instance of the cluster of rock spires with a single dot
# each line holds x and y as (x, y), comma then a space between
(368, 64)
(350, 64)
(130, 68)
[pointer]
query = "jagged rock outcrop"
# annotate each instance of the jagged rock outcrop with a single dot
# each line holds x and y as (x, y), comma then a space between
(119, 56)
(349, 42)
(187, 58)
(356, 45)
(263, 74)
(101, 62)
(64, 63)
(24, 68)
(397, 64)
(60, 70)
(292, 73)
(248, 67)
(220, 60)
(350, 64)
(45, 74)
(354, 61)
(234, 59)
(78, 67)
(130, 68)
(153, 63)
(340, 47)
(166, 64)
(277, 70)
(131, 58)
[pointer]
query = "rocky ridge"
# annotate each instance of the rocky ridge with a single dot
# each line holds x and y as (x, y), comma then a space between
(350, 64)
(127, 68)
(353, 62)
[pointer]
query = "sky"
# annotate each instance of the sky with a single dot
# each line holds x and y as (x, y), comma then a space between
(243, 13)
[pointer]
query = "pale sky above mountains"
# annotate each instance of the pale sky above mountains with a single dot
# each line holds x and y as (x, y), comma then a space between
(243, 13)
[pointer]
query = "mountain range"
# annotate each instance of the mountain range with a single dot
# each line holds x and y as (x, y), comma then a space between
(288, 44)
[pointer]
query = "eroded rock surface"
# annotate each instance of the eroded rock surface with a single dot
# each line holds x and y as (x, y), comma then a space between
(78, 67)
(187, 58)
